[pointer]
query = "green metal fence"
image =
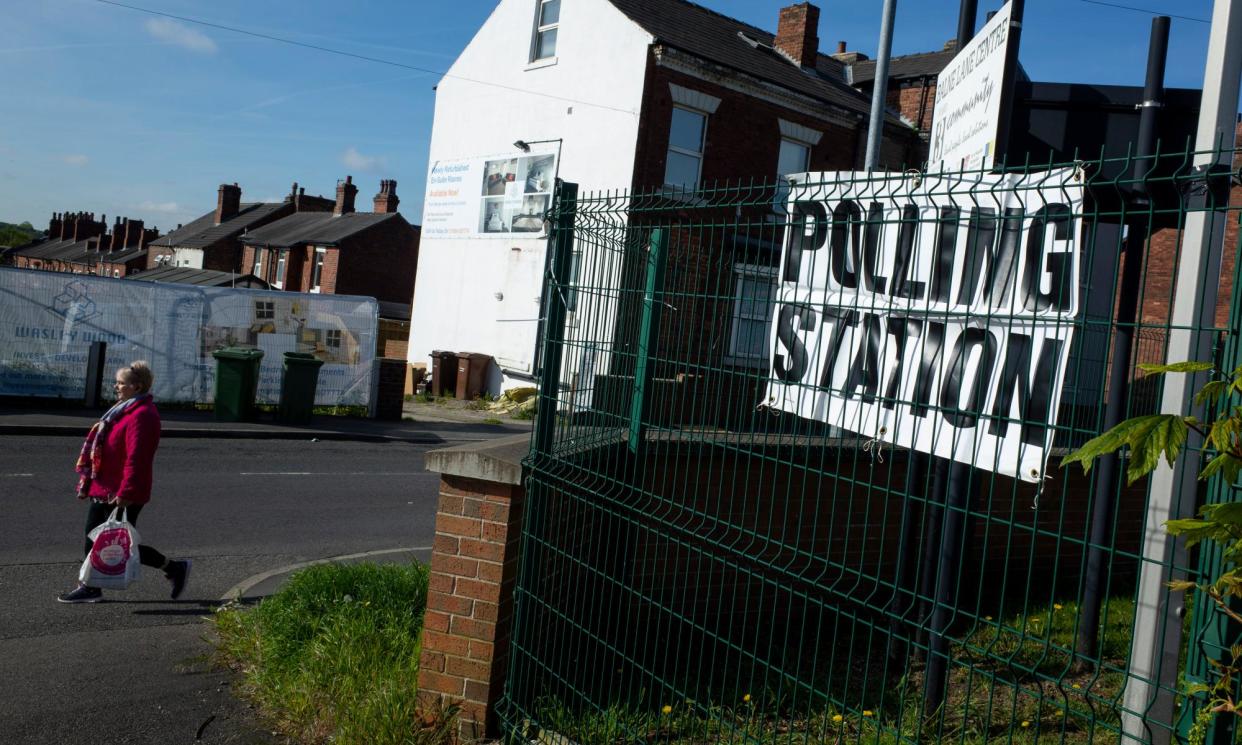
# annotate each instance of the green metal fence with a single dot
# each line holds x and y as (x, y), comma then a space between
(711, 553)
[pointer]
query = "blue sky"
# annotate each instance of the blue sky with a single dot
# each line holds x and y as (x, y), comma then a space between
(119, 112)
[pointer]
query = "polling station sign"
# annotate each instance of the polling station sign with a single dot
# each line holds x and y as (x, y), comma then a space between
(931, 313)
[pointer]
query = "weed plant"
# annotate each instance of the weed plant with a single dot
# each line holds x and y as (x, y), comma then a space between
(333, 656)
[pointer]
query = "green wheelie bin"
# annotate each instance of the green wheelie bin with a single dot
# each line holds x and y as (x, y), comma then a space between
(297, 388)
(237, 379)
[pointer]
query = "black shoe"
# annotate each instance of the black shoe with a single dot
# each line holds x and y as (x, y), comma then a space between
(178, 572)
(82, 594)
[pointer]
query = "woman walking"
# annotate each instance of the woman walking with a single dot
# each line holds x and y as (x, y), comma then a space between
(115, 468)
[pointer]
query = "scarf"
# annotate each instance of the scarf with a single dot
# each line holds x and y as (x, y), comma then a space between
(89, 459)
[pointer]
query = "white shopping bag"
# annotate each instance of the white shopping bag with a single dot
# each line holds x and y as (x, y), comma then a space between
(113, 561)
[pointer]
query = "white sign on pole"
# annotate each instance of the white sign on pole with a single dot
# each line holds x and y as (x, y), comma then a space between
(490, 197)
(968, 100)
(909, 312)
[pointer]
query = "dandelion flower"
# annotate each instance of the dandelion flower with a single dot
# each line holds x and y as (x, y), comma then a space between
(867, 712)
(987, 618)
(1056, 606)
(667, 709)
(1075, 685)
(746, 698)
(1025, 723)
(837, 717)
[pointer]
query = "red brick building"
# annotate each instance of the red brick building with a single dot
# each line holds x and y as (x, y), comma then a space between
(213, 240)
(342, 252)
(77, 243)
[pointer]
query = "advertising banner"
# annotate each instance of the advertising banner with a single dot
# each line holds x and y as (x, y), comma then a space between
(910, 313)
(968, 100)
(491, 197)
(48, 321)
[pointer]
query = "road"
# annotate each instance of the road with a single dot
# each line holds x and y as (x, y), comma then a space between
(131, 669)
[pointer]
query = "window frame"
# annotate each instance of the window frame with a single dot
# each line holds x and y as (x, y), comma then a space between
(265, 310)
(742, 271)
(542, 28)
(698, 156)
(282, 268)
(256, 266)
(317, 269)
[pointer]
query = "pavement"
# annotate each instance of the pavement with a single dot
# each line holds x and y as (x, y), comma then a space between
(425, 424)
(144, 657)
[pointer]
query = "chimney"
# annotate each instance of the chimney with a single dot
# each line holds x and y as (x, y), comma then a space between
(386, 201)
(796, 34)
(345, 193)
(840, 47)
(53, 226)
(228, 203)
(133, 233)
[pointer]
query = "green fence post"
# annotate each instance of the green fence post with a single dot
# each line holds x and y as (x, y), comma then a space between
(648, 333)
(561, 243)
(1212, 634)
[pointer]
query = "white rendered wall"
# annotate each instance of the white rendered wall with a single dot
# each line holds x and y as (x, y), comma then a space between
(188, 257)
(481, 294)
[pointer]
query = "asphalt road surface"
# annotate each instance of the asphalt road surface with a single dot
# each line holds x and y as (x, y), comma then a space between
(132, 669)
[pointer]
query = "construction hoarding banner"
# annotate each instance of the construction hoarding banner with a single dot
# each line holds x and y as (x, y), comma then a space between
(913, 312)
(49, 320)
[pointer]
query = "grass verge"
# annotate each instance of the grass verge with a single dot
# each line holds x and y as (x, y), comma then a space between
(333, 656)
(1013, 679)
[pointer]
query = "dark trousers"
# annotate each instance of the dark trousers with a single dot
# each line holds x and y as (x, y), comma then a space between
(99, 512)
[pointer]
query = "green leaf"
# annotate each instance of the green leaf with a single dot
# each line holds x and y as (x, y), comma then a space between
(1212, 391)
(1176, 367)
(1214, 466)
(1165, 434)
(1128, 432)
(1181, 585)
(1223, 513)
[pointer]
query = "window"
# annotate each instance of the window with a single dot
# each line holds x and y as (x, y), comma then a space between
(571, 292)
(754, 294)
(281, 265)
(257, 267)
(332, 338)
(317, 272)
(264, 310)
(547, 21)
(685, 148)
(795, 157)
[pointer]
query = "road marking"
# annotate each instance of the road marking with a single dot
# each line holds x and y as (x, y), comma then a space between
(337, 473)
(16, 475)
(238, 591)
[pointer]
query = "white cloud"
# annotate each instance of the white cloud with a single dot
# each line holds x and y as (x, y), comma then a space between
(77, 159)
(359, 162)
(150, 206)
(169, 31)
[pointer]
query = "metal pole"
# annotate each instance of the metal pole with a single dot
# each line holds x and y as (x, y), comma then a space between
(966, 17)
(1149, 694)
(95, 374)
(562, 244)
(952, 541)
(880, 92)
(1104, 507)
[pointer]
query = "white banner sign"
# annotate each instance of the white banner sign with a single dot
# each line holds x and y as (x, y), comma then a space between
(48, 321)
(493, 197)
(918, 314)
(968, 98)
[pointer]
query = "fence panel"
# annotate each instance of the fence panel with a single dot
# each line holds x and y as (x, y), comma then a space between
(815, 496)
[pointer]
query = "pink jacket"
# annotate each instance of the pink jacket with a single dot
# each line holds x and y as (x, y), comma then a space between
(127, 454)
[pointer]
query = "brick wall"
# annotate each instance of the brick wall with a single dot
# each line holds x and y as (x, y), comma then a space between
(393, 338)
(743, 135)
(379, 262)
(467, 626)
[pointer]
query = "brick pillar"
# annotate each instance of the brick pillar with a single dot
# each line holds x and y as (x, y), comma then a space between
(391, 394)
(467, 627)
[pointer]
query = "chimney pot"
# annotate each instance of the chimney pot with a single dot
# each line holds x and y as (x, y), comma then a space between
(228, 202)
(797, 34)
(345, 194)
(840, 47)
(387, 200)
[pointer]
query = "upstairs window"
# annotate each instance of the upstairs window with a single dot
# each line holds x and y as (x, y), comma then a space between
(281, 266)
(257, 267)
(332, 338)
(684, 163)
(317, 272)
(795, 157)
(754, 295)
(264, 310)
(547, 21)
